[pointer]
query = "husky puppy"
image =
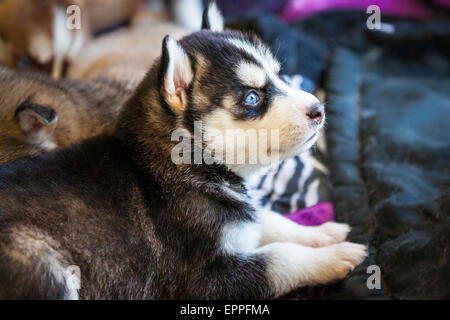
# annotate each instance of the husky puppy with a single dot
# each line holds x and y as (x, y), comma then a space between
(38, 114)
(115, 218)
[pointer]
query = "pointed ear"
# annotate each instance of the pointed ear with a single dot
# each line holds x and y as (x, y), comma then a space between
(36, 122)
(212, 18)
(176, 74)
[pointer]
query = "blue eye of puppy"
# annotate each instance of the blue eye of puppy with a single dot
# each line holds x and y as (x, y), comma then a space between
(252, 98)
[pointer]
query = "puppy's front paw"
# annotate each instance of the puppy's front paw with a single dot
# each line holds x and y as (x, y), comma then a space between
(328, 233)
(320, 239)
(337, 231)
(345, 257)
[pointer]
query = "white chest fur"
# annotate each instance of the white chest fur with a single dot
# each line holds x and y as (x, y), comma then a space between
(241, 237)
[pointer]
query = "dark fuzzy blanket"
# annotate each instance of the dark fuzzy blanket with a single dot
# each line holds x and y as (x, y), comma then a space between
(389, 157)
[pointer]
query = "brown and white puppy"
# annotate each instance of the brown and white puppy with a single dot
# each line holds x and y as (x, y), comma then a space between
(83, 109)
(38, 29)
(38, 114)
(45, 30)
(117, 217)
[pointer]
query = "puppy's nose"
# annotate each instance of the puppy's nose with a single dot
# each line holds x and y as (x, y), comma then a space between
(315, 112)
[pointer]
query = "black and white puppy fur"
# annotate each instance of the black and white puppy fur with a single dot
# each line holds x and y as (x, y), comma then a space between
(115, 218)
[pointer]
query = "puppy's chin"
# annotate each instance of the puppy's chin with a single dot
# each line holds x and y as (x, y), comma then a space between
(301, 147)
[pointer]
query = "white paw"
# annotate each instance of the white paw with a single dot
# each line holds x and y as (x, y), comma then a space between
(345, 256)
(337, 231)
(320, 239)
(327, 234)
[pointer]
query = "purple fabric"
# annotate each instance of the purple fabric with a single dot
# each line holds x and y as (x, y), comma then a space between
(314, 215)
(299, 9)
(239, 7)
(442, 3)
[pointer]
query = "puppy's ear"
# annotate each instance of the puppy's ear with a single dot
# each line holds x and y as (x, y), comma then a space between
(36, 122)
(212, 18)
(176, 74)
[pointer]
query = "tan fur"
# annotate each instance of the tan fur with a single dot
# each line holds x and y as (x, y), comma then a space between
(78, 105)
(103, 14)
(35, 18)
(27, 28)
(110, 55)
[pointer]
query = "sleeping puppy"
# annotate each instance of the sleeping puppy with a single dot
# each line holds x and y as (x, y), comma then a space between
(38, 114)
(39, 29)
(43, 35)
(128, 220)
